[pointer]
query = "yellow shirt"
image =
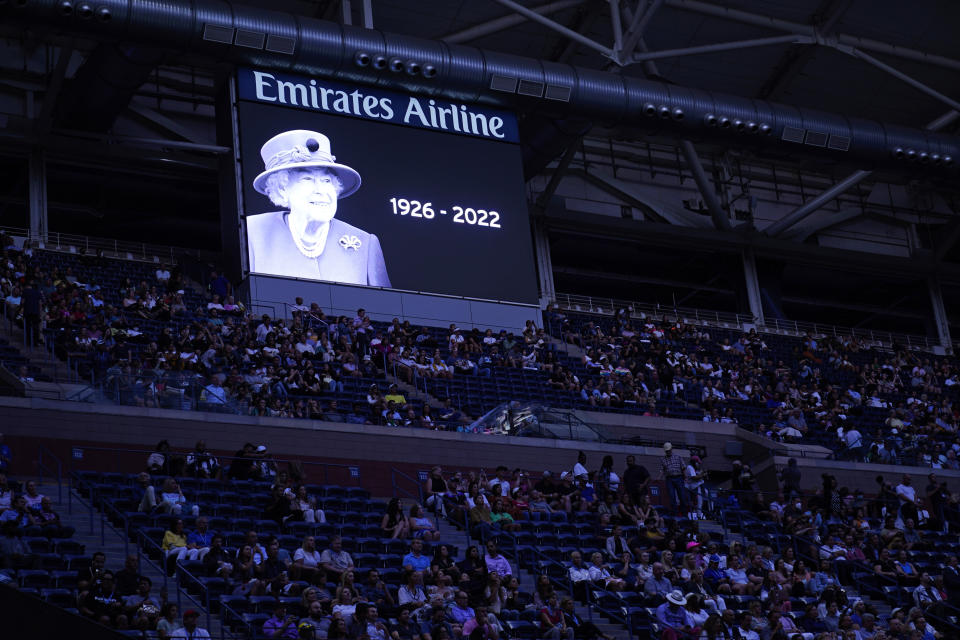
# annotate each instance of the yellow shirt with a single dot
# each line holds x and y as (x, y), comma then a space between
(396, 397)
(171, 540)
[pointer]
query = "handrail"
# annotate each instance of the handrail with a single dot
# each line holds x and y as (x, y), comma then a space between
(182, 571)
(351, 470)
(57, 241)
(41, 467)
(394, 472)
(720, 319)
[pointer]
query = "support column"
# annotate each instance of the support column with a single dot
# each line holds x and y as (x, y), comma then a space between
(39, 223)
(753, 285)
(940, 314)
(541, 244)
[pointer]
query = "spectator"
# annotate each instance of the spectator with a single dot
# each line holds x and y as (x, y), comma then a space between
(411, 593)
(495, 561)
(421, 526)
(190, 630)
(280, 624)
(674, 618)
(394, 521)
(553, 623)
(416, 560)
(671, 469)
(167, 624)
(335, 561)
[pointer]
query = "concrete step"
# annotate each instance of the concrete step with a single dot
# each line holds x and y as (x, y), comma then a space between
(104, 538)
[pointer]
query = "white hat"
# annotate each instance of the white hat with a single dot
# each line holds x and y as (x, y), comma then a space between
(261, 448)
(676, 597)
(299, 149)
(667, 446)
(565, 474)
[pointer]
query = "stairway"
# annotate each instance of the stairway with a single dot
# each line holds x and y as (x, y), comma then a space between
(101, 536)
(527, 580)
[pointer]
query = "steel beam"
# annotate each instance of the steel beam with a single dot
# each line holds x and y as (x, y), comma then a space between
(720, 218)
(39, 220)
(746, 17)
(556, 26)
(616, 26)
(809, 207)
(752, 278)
(45, 121)
(635, 33)
(852, 180)
(558, 174)
(896, 73)
(507, 21)
(940, 314)
(366, 11)
(720, 46)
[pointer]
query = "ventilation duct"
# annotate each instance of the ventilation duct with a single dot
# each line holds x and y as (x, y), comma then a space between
(327, 49)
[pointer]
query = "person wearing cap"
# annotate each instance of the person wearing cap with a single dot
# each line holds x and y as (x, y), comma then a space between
(671, 470)
(280, 625)
(305, 240)
(674, 619)
(190, 630)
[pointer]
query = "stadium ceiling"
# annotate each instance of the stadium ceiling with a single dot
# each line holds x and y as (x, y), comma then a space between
(793, 51)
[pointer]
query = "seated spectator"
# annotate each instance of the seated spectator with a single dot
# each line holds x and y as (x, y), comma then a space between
(102, 603)
(495, 561)
(6, 493)
(141, 606)
(175, 542)
(190, 630)
(377, 593)
(657, 585)
(32, 497)
(394, 522)
(553, 623)
(415, 560)
(479, 627)
(411, 594)
(167, 624)
(335, 561)
(421, 526)
(128, 578)
(144, 493)
(579, 574)
(200, 462)
(617, 545)
(173, 501)
(280, 624)
(306, 560)
(217, 561)
(406, 628)
(674, 619)
(600, 574)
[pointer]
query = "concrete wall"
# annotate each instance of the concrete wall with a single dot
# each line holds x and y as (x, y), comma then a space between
(272, 295)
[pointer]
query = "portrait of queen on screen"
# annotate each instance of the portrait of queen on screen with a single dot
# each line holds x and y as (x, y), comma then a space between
(304, 239)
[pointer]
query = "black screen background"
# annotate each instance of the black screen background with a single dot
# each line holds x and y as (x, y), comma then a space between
(435, 256)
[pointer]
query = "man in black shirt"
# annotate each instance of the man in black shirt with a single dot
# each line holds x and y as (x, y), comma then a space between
(938, 496)
(31, 301)
(128, 578)
(636, 478)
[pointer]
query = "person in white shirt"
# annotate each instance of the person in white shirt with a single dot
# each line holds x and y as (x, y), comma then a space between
(908, 499)
(580, 469)
(306, 560)
(190, 630)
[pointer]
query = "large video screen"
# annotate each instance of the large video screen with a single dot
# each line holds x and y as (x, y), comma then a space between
(368, 187)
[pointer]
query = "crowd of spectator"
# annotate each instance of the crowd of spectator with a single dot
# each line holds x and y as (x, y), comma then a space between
(866, 401)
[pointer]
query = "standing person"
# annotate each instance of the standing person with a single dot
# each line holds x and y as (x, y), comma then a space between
(693, 476)
(190, 630)
(636, 479)
(908, 499)
(791, 479)
(31, 301)
(671, 470)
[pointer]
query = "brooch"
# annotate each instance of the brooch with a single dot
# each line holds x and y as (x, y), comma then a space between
(350, 242)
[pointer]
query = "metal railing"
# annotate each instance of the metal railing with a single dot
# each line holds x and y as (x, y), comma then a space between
(729, 320)
(73, 243)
